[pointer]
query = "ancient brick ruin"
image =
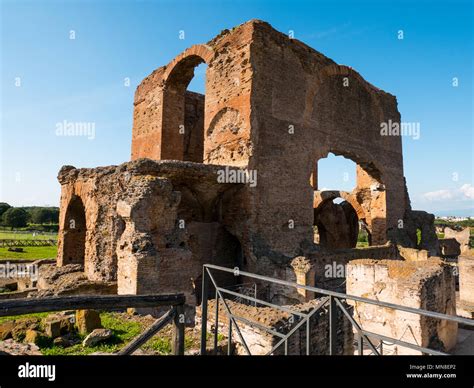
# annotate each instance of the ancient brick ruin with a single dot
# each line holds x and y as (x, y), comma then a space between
(273, 107)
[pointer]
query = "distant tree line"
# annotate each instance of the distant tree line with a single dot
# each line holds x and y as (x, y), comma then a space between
(20, 217)
(463, 223)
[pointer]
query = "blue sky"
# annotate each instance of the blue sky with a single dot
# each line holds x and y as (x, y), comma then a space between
(47, 78)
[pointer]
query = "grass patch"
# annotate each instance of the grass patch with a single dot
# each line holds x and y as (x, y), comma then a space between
(122, 332)
(5, 235)
(30, 253)
(124, 329)
(16, 317)
(159, 344)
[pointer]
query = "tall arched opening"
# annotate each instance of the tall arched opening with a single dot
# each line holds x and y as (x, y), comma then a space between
(182, 135)
(74, 232)
(350, 197)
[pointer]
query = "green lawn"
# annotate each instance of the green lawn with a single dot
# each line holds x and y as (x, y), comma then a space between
(6, 235)
(30, 253)
(32, 315)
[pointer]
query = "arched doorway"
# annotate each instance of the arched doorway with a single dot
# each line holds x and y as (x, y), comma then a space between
(364, 196)
(336, 224)
(74, 229)
(183, 110)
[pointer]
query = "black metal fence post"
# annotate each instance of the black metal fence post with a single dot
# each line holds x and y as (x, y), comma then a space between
(216, 323)
(205, 294)
(332, 326)
(360, 344)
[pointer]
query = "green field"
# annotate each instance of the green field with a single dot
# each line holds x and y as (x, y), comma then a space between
(7, 235)
(30, 253)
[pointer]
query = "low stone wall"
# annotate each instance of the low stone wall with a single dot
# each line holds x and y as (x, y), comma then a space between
(466, 284)
(327, 269)
(69, 280)
(461, 236)
(412, 254)
(21, 275)
(449, 247)
(261, 342)
(425, 285)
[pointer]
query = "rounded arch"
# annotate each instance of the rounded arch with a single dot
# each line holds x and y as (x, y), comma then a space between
(183, 112)
(364, 161)
(321, 197)
(74, 232)
(180, 70)
(368, 198)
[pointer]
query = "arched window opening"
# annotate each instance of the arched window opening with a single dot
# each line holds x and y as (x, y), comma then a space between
(74, 232)
(183, 111)
(334, 173)
(359, 184)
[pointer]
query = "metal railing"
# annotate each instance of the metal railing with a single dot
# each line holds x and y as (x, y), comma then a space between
(174, 315)
(331, 299)
(249, 289)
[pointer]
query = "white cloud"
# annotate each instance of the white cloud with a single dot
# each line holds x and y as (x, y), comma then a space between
(438, 195)
(468, 190)
(465, 192)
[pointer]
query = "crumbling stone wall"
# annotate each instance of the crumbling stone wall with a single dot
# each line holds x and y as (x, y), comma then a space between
(449, 247)
(157, 226)
(462, 237)
(427, 285)
(160, 103)
(93, 194)
(309, 96)
(466, 286)
(277, 106)
(261, 342)
(273, 106)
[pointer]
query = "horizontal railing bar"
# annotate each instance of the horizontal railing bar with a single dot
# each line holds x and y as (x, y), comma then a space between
(321, 304)
(356, 325)
(403, 343)
(340, 295)
(268, 304)
(106, 302)
(257, 325)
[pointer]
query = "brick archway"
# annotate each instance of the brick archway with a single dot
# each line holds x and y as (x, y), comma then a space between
(323, 196)
(74, 233)
(182, 136)
(368, 198)
(192, 56)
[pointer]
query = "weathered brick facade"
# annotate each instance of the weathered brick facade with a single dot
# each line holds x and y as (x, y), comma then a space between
(273, 107)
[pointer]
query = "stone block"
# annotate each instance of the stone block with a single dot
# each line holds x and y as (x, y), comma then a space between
(6, 330)
(261, 342)
(87, 321)
(52, 327)
(96, 336)
(427, 285)
(466, 279)
(449, 247)
(461, 236)
(33, 336)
